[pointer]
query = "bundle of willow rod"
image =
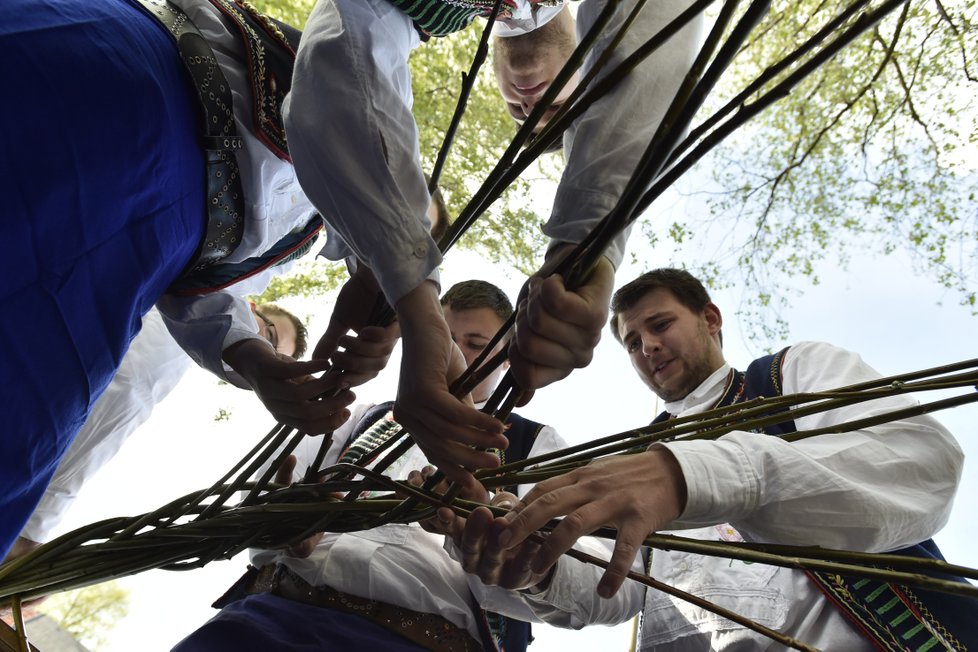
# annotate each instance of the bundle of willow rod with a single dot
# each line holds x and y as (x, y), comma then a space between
(201, 527)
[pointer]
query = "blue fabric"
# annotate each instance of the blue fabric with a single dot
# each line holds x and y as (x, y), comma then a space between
(263, 622)
(102, 184)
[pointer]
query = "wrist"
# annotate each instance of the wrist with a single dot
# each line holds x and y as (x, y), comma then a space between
(416, 308)
(244, 354)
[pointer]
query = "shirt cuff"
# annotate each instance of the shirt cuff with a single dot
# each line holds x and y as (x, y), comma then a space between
(721, 484)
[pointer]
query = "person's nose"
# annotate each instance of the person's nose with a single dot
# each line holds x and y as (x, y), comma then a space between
(650, 345)
(528, 103)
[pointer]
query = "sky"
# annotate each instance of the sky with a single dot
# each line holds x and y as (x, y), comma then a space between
(898, 322)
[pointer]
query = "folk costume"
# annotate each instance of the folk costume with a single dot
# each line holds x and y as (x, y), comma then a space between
(876, 489)
(108, 169)
(364, 584)
(352, 85)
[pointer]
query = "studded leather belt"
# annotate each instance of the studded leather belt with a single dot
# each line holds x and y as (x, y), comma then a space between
(430, 631)
(219, 138)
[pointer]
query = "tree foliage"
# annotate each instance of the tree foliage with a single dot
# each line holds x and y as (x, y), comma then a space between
(89, 614)
(874, 153)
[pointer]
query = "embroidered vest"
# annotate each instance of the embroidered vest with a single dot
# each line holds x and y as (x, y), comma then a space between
(893, 617)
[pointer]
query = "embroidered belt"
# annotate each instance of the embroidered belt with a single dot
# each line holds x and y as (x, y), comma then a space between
(225, 197)
(430, 631)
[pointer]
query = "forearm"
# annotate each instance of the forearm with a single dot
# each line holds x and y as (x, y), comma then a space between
(604, 145)
(205, 326)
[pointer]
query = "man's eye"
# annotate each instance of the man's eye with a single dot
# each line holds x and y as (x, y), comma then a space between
(632, 346)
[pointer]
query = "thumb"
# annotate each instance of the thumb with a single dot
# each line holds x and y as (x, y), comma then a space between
(330, 341)
(284, 473)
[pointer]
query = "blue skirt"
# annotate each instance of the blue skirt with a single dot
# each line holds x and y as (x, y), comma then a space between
(101, 207)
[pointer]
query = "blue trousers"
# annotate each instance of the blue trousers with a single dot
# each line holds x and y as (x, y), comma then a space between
(101, 207)
(263, 622)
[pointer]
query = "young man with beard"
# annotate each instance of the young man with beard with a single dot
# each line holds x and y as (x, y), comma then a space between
(884, 488)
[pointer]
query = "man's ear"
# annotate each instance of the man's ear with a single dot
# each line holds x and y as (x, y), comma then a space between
(714, 320)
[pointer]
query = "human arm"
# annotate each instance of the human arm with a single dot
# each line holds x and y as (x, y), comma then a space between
(873, 489)
(602, 148)
(354, 140)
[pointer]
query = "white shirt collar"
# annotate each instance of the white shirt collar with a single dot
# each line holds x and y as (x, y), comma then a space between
(703, 397)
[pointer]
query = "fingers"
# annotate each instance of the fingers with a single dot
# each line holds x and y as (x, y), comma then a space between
(473, 540)
(631, 535)
(504, 500)
(312, 416)
(364, 356)
(557, 329)
(284, 473)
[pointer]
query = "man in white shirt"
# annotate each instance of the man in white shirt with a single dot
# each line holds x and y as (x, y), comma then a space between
(882, 488)
(354, 142)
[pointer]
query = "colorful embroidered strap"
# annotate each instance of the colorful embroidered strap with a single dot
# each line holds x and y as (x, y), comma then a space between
(443, 17)
(270, 49)
(889, 615)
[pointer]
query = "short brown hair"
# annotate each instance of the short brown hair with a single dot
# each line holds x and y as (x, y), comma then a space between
(686, 288)
(301, 334)
(469, 295)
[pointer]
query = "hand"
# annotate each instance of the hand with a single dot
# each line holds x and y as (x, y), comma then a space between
(443, 426)
(21, 547)
(556, 328)
(288, 391)
(509, 569)
(305, 547)
(364, 356)
(446, 521)
(495, 565)
(635, 494)
(352, 311)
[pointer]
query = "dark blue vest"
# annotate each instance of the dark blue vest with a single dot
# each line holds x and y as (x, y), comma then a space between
(894, 617)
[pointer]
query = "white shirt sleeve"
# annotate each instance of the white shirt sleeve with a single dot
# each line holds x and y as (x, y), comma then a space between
(571, 600)
(354, 140)
(605, 144)
(873, 489)
(151, 368)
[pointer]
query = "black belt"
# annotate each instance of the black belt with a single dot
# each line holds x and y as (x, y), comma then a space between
(225, 197)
